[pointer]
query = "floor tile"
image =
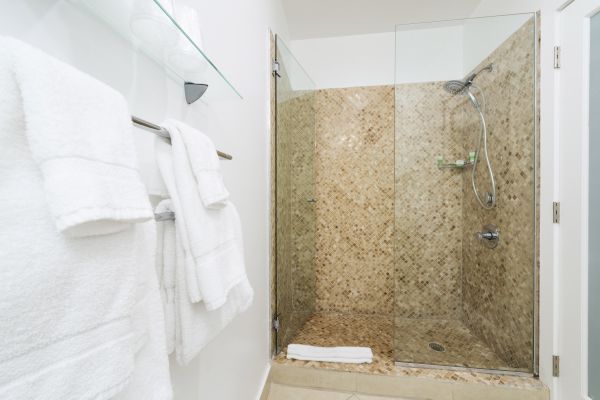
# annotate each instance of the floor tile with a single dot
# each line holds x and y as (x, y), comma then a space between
(282, 392)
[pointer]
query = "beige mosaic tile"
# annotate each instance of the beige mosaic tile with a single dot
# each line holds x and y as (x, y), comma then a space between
(428, 209)
(355, 187)
(498, 284)
(377, 332)
(414, 339)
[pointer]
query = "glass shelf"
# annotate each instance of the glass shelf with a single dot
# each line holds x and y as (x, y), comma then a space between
(167, 34)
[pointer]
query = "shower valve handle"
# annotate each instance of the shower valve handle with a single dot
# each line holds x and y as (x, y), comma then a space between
(490, 236)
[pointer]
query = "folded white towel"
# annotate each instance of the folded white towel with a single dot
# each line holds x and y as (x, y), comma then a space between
(211, 237)
(151, 377)
(65, 302)
(79, 133)
(350, 355)
(165, 262)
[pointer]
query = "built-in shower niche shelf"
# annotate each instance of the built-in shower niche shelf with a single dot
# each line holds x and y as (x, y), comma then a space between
(152, 28)
(458, 164)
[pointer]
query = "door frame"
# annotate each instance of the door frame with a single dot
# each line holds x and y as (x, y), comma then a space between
(573, 179)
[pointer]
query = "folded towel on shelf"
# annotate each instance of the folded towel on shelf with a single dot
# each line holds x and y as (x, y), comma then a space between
(350, 355)
(211, 237)
(211, 286)
(69, 203)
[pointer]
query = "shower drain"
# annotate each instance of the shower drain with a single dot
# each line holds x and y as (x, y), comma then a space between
(436, 347)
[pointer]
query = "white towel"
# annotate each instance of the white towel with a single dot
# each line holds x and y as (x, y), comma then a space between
(165, 262)
(350, 355)
(79, 133)
(197, 321)
(196, 325)
(211, 237)
(151, 377)
(204, 163)
(66, 302)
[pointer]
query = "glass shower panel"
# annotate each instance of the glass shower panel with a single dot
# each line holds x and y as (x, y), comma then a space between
(295, 195)
(594, 217)
(465, 202)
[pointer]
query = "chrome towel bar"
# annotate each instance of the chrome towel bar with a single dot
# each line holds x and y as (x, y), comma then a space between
(162, 132)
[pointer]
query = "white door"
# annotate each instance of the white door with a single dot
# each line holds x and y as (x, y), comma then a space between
(573, 147)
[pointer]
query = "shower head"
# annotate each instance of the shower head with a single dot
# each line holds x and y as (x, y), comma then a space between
(461, 87)
(456, 87)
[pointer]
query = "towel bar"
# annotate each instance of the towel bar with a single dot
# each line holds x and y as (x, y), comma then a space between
(164, 216)
(162, 132)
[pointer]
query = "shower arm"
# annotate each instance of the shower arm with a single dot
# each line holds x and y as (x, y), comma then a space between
(489, 68)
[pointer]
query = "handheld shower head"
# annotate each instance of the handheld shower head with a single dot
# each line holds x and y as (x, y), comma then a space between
(456, 87)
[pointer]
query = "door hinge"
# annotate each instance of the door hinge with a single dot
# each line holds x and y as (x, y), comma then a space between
(556, 212)
(275, 69)
(276, 323)
(555, 366)
(557, 58)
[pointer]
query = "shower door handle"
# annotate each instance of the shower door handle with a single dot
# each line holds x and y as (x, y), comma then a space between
(311, 201)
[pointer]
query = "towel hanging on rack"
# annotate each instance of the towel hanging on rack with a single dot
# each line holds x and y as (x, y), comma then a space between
(162, 132)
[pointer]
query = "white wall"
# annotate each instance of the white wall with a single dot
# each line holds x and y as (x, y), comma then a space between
(368, 60)
(504, 7)
(236, 35)
(481, 36)
(425, 52)
(344, 61)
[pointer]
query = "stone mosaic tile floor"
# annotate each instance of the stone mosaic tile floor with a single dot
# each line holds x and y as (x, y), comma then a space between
(416, 341)
(377, 333)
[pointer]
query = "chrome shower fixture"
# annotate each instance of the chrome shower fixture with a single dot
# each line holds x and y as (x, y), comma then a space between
(457, 87)
(460, 87)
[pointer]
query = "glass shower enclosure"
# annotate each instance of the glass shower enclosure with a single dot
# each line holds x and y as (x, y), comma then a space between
(406, 213)
(465, 198)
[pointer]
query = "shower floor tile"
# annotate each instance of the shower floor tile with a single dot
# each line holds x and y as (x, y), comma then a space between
(456, 346)
(345, 330)
(377, 332)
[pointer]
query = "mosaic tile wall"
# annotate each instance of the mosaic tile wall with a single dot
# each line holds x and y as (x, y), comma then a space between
(355, 207)
(295, 215)
(498, 296)
(428, 238)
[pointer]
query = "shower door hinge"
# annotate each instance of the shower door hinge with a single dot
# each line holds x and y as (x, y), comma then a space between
(556, 212)
(275, 69)
(276, 323)
(557, 59)
(555, 366)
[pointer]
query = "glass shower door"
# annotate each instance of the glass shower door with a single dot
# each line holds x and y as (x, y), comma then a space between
(295, 195)
(594, 215)
(464, 296)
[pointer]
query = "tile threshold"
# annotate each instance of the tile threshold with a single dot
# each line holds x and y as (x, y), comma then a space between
(484, 371)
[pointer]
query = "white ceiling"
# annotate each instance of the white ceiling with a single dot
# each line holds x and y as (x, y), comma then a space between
(326, 18)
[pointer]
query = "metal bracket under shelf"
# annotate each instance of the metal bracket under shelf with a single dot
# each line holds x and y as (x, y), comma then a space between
(193, 91)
